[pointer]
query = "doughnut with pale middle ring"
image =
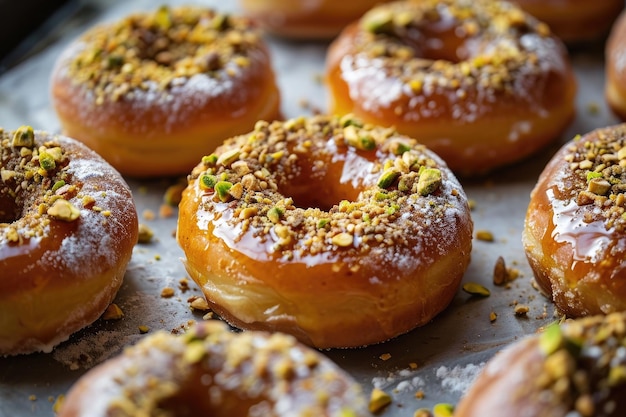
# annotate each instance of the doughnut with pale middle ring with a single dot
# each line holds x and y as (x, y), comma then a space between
(339, 233)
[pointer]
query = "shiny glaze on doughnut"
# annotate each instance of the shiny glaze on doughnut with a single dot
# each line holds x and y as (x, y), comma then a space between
(305, 19)
(566, 370)
(576, 254)
(211, 371)
(615, 68)
(479, 95)
(399, 255)
(62, 274)
(575, 21)
(151, 118)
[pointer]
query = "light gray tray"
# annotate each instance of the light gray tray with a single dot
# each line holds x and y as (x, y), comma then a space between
(447, 353)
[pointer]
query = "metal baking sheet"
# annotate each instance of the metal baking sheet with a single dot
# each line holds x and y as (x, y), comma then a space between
(432, 364)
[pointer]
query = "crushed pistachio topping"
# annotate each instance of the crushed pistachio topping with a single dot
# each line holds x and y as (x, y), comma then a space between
(256, 366)
(398, 186)
(598, 165)
(155, 51)
(390, 30)
(35, 187)
(585, 365)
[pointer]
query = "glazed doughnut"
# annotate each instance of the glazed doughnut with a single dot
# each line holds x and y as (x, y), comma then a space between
(152, 91)
(340, 234)
(211, 371)
(575, 229)
(615, 68)
(575, 21)
(479, 82)
(68, 225)
(575, 369)
(302, 19)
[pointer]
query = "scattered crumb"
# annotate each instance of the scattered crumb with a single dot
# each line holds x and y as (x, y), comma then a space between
(413, 365)
(423, 412)
(471, 203)
(484, 235)
(183, 284)
(493, 316)
(521, 309)
(593, 108)
(32, 397)
(167, 292)
(379, 399)
(173, 193)
(113, 312)
(208, 316)
(145, 233)
(157, 257)
(385, 356)
(419, 394)
(149, 215)
(143, 329)
(503, 275)
(166, 211)
(56, 407)
(199, 303)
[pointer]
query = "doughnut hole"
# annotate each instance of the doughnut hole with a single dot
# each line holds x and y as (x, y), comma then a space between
(9, 209)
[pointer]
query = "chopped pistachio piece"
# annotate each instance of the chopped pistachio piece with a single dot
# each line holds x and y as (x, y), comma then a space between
(58, 185)
(379, 21)
(551, 339)
(145, 233)
(617, 375)
(63, 210)
(163, 18)
(358, 139)
(443, 410)
(388, 177)
(598, 186)
(228, 157)
(46, 161)
(474, 288)
(350, 120)
(113, 312)
(275, 214)
(24, 136)
(207, 182)
(343, 239)
(209, 160)
(379, 399)
(429, 181)
(222, 188)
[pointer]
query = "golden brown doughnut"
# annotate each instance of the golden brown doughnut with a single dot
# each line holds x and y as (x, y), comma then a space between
(340, 234)
(68, 225)
(575, 21)
(615, 68)
(211, 371)
(575, 229)
(577, 369)
(152, 91)
(479, 82)
(304, 19)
